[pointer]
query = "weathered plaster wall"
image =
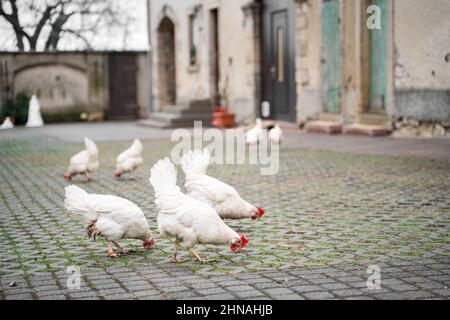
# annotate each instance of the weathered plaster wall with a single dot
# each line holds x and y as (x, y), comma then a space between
(308, 60)
(422, 43)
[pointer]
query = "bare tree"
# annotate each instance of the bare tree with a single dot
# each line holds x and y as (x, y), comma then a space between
(41, 24)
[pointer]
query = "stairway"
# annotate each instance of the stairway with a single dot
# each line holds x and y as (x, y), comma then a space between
(179, 116)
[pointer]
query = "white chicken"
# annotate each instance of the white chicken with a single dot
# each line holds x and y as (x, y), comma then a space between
(7, 124)
(276, 134)
(219, 195)
(255, 134)
(84, 162)
(186, 219)
(110, 217)
(129, 159)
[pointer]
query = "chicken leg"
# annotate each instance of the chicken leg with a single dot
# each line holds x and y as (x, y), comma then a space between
(175, 249)
(195, 254)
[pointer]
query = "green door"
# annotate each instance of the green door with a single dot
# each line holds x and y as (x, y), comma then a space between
(331, 56)
(378, 60)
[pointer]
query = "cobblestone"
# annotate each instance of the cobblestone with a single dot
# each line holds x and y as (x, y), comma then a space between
(329, 216)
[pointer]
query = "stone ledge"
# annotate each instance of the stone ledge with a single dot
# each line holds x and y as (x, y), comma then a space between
(366, 129)
(327, 127)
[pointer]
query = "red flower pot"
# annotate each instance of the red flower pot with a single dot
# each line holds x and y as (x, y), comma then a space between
(223, 119)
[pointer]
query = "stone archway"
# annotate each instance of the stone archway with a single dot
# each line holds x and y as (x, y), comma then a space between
(166, 63)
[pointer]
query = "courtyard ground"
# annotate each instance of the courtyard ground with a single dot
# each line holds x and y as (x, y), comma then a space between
(337, 206)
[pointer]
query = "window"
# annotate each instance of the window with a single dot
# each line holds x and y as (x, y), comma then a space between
(192, 48)
(280, 54)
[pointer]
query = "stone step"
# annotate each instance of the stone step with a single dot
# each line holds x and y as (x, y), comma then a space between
(168, 120)
(154, 123)
(166, 116)
(366, 129)
(195, 106)
(328, 127)
(187, 112)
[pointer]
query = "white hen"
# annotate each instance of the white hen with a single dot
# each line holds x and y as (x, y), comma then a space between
(186, 219)
(130, 159)
(276, 134)
(255, 134)
(110, 217)
(84, 162)
(7, 124)
(219, 195)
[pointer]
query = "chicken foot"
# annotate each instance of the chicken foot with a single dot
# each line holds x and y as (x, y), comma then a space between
(196, 255)
(120, 250)
(111, 252)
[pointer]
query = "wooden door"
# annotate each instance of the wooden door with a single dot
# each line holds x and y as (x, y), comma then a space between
(122, 87)
(378, 62)
(331, 56)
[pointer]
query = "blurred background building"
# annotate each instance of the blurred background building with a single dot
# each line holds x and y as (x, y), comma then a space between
(310, 60)
(367, 66)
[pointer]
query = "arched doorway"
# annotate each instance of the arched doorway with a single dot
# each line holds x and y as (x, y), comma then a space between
(166, 63)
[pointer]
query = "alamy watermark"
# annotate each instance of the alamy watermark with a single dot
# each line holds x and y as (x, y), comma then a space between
(374, 20)
(374, 280)
(73, 281)
(227, 147)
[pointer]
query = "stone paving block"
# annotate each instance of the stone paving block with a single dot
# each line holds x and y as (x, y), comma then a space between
(344, 293)
(442, 292)
(334, 286)
(306, 288)
(225, 296)
(239, 288)
(319, 295)
(278, 291)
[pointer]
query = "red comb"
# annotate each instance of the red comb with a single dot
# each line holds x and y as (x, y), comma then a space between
(261, 211)
(244, 240)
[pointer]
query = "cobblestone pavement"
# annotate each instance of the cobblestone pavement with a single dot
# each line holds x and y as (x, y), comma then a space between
(328, 217)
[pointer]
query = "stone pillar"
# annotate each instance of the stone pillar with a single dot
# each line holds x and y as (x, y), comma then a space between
(307, 59)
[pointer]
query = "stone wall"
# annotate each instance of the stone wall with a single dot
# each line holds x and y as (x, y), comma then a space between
(67, 84)
(422, 64)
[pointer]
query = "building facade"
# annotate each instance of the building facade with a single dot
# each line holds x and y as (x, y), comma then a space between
(370, 64)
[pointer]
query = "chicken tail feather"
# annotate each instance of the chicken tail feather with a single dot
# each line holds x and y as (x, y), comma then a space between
(163, 174)
(91, 147)
(75, 200)
(195, 162)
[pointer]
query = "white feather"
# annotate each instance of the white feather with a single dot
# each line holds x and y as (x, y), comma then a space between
(219, 195)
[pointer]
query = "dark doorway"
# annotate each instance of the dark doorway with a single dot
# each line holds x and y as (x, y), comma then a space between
(278, 68)
(166, 63)
(215, 73)
(122, 86)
